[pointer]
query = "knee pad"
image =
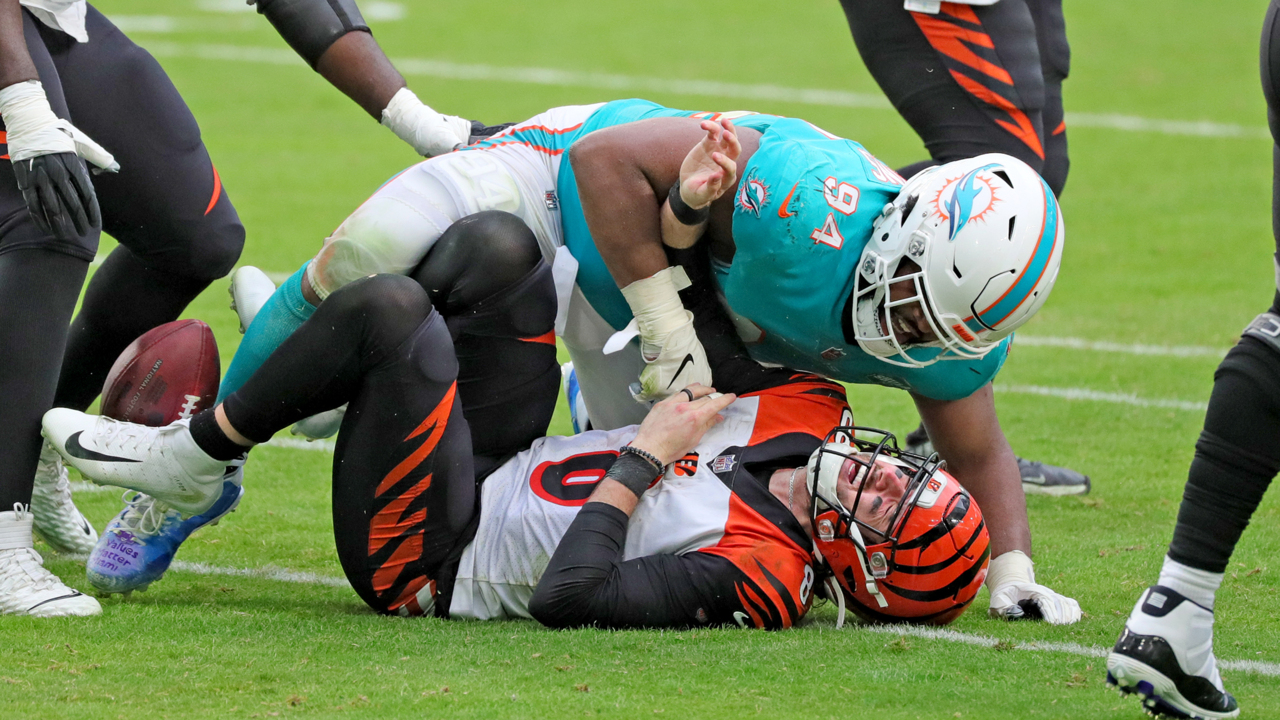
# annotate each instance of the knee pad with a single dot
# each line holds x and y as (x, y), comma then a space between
(477, 258)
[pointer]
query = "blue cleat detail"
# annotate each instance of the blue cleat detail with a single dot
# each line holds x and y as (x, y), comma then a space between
(138, 545)
(573, 393)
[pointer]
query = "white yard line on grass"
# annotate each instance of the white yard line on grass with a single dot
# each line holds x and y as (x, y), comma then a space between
(1071, 343)
(1258, 667)
(1096, 396)
(635, 84)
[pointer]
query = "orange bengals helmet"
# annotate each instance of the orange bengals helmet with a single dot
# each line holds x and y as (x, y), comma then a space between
(928, 563)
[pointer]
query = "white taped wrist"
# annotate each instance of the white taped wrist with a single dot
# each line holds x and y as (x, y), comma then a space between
(1013, 566)
(427, 131)
(655, 302)
(15, 529)
(30, 122)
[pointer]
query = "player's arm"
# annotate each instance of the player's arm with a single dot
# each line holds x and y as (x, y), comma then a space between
(332, 37)
(586, 581)
(967, 433)
(45, 150)
(624, 176)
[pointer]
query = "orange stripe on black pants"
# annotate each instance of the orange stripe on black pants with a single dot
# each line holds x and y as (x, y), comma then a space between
(972, 79)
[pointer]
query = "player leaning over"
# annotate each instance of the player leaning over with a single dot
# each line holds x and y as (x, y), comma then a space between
(62, 60)
(980, 240)
(1165, 653)
(703, 515)
(974, 77)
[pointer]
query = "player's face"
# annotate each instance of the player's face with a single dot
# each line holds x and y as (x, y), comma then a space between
(909, 321)
(883, 489)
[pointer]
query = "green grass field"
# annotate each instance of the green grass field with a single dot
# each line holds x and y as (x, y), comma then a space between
(1168, 246)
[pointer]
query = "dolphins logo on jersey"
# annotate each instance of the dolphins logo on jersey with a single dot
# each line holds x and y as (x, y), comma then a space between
(753, 195)
(971, 196)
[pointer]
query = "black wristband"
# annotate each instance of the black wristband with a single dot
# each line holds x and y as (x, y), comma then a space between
(634, 471)
(681, 210)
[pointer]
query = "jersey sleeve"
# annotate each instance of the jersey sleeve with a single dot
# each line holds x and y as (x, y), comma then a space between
(588, 584)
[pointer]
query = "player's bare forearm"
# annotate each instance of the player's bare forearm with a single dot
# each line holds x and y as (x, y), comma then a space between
(356, 65)
(15, 61)
(967, 433)
(623, 175)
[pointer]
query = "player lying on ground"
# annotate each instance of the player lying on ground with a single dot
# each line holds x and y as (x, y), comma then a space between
(980, 240)
(704, 514)
(1165, 653)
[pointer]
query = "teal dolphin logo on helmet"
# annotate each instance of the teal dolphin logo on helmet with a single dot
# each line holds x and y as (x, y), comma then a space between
(960, 206)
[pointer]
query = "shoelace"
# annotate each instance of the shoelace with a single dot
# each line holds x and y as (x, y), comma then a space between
(53, 467)
(23, 569)
(115, 435)
(143, 513)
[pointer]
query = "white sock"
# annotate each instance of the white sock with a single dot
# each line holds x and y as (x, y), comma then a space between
(1199, 586)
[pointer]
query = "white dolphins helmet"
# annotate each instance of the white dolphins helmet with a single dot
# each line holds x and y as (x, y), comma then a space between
(987, 234)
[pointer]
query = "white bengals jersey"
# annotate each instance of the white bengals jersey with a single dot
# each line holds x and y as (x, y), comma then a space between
(707, 502)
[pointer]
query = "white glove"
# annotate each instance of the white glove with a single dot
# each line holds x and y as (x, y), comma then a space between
(427, 131)
(1016, 596)
(673, 356)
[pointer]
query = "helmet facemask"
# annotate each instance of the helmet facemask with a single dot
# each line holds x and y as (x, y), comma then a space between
(842, 540)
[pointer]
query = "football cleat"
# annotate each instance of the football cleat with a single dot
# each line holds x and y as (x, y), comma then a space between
(1044, 479)
(321, 425)
(57, 519)
(26, 587)
(250, 289)
(1165, 655)
(138, 545)
(1037, 478)
(573, 394)
(162, 462)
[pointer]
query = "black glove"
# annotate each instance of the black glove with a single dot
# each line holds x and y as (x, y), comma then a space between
(59, 194)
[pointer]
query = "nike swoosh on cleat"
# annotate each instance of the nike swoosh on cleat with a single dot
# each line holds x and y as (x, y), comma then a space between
(76, 450)
(688, 358)
(782, 209)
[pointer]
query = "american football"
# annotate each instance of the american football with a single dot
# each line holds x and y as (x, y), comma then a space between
(170, 372)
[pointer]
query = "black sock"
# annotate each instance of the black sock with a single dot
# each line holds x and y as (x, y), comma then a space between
(211, 439)
(1234, 461)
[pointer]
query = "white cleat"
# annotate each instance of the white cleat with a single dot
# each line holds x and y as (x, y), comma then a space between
(321, 425)
(162, 462)
(250, 289)
(26, 587)
(58, 520)
(1165, 655)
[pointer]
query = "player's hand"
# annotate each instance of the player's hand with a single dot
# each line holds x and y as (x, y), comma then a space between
(46, 153)
(427, 131)
(1015, 595)
(676, 425)
(1030, 601)
(680, 361)
(711, 167)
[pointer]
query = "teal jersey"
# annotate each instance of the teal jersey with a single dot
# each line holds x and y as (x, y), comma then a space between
(596, 283)
(803, 213)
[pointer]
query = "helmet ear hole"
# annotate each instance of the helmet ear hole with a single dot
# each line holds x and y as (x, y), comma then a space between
(1012, 222)
(1003, 176)
(911, 205)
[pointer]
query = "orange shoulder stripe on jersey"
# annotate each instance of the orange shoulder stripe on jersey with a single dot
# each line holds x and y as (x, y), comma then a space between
(751, 603)
(539, 148)
(812, 407)
(767, 556)
(1021, 126)
(217, 191)
(4, 140)
(949, 39)
(961, 11)
(390, 522)
(436, 420)
(548, 339)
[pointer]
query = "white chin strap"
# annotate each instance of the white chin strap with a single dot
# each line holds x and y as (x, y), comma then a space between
(834, 589)
(870, 584)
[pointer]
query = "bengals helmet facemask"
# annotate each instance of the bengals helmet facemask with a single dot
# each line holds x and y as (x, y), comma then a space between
(929, 560)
